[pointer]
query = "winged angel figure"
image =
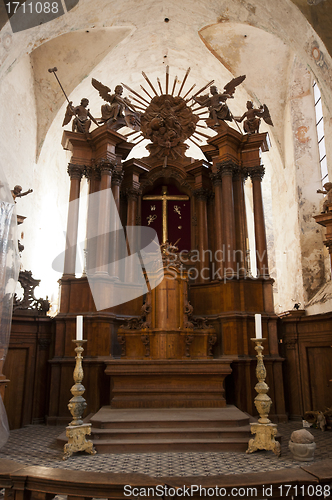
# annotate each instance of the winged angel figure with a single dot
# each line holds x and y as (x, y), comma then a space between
(119, 112)
(83, 117)
(252, 118)
(216, 103)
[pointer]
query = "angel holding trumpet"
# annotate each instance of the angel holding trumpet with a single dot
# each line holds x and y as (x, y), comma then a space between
(83, 117)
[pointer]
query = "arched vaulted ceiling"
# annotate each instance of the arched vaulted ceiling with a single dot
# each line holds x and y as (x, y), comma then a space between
(241, 34)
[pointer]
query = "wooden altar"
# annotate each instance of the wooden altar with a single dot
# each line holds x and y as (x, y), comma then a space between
(170, 359)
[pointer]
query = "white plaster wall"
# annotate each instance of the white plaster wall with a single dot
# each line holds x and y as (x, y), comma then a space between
(308, 178)
(39, 233)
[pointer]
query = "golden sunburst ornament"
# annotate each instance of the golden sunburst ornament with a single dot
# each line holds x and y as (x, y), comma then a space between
(167, 118)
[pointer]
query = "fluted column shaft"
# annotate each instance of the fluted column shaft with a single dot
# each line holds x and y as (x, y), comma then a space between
(256, 175)
(104, 217)
(75, 172)
(219, 253)
(93, 176)
(115, 224)
(132, 196)
(226, 170)
(240, 221)
(201, 196)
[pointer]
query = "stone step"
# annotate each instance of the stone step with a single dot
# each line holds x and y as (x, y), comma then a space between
(167, 430)
(170, 433)
(171, 445)
(107, 418)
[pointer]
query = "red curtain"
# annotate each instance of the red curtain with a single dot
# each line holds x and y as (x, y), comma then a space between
(178, 215)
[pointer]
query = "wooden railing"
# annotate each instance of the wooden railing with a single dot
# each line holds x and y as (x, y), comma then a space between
(23, 482)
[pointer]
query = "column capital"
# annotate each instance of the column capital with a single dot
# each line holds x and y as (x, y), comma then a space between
(257, 172)
(105, 166)
(133, 193)
(227, 167)
(240, 173)
(216, 178)
(75, 171)
(328, 244)
(91, 172)
(117, 177)
(202, 194)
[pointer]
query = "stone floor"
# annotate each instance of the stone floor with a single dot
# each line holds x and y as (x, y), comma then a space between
(36, 445)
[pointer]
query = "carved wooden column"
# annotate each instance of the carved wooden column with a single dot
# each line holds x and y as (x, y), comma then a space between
(201, 196)
(218, 223)
(240, 221)
(132, 197)
(106, 168)
(116, 226)
(226, 169)
(75, 172)
(93, 176)
(256, 174)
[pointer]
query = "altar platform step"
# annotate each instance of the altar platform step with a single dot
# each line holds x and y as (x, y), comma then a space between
(166, 430)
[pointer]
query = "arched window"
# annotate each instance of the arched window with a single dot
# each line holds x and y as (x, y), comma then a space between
(320, 133)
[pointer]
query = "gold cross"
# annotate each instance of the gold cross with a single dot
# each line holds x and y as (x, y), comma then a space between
(165, 198)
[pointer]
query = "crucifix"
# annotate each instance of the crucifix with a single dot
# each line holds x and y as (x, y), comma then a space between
(164, 197)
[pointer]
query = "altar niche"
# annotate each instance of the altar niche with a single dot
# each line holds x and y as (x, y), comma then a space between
(167, 210)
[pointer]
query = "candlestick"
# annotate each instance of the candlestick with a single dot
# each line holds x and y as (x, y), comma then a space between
(258, 326)
(264, 430)
(79, 327)
(76, 431)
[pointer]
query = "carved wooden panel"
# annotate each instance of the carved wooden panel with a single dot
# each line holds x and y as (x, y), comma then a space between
(15, 367)
(306, 346)
(320, 372)
(26, 366)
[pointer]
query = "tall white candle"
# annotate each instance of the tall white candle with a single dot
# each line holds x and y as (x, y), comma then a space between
(258, 326)
(79, 327)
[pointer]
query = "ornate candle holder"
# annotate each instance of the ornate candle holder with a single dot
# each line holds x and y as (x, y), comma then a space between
(77, 431)
(264, 430)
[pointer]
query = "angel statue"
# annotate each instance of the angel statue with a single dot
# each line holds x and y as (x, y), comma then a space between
(119, 112)
(253, 121)
(83, 118)
(216, 103)
(17, 192)
(328, 191)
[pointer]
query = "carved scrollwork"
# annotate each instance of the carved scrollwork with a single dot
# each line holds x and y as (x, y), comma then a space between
(189, 340)
(146, 341)
(122, 342)
(29, 301)
(188, 312)
(200, 323)
(212, 340)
